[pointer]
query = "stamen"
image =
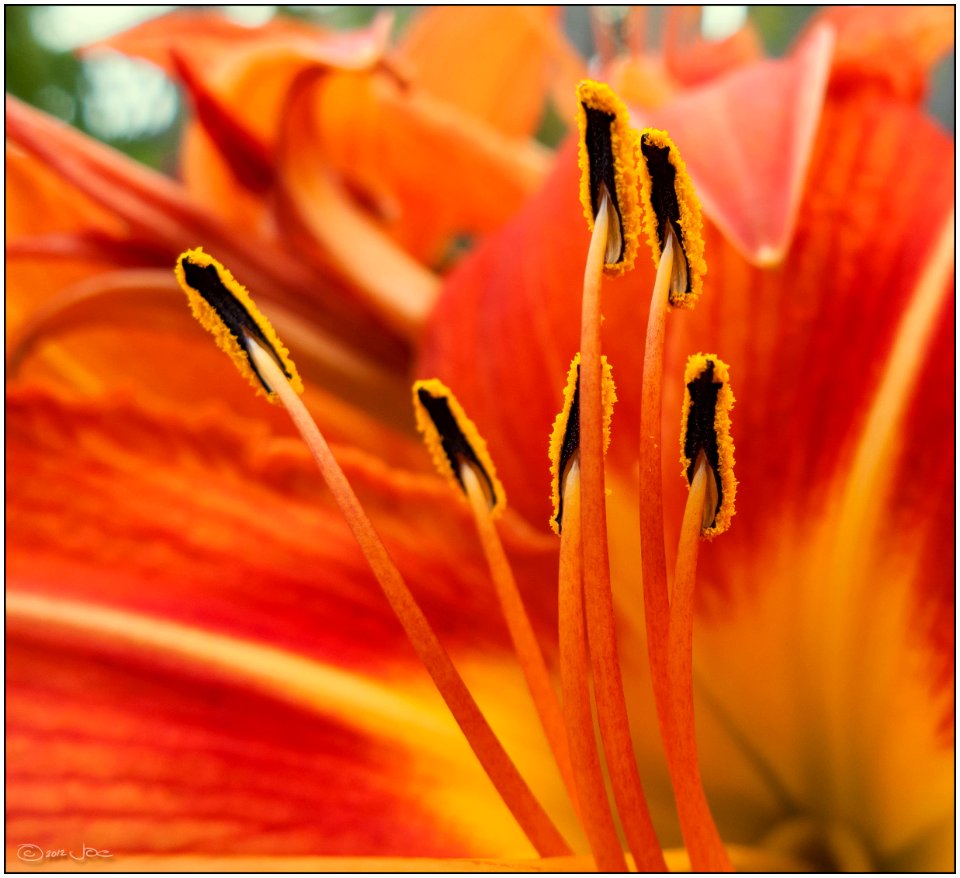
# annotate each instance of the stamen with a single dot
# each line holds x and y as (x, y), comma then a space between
(224, 308)
(700, 835)
(522, 635)
(601, 626)
(670, 206)
(575, 676)
(565, 438)
(608, 161)
(705, 428)
(517, 796)
(447, 429)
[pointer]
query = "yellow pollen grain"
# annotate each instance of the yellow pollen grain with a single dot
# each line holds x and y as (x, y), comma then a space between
(624, 146)
(608, 396)
(696, 366)
(690, 221)
(225, 337)
(468, 431)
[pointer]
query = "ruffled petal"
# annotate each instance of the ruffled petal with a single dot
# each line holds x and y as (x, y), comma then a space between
(428, 170)
(94, 213)
(210, 39)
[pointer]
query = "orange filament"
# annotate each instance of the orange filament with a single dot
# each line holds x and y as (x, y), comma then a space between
(575, 676)
(673, 692)
(700, 834)
(652, 553)
(608, 683)
(521, 631)
(517, 796)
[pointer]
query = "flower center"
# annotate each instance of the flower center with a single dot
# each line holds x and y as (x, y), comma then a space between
(825, 847)
(610, 152)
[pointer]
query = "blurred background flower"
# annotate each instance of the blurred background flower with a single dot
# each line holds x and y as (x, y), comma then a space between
(136, 108)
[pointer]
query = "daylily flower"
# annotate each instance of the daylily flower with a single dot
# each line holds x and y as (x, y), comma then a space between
(202, 673)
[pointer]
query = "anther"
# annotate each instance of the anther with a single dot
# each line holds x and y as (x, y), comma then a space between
(461, 456)
(454, 441)
(708, 467)
(705, 431)
(608, 151)
(565, 438)
(670, 206)
(225, 309)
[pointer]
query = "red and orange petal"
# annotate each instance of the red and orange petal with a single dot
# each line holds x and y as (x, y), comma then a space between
(174, 525)
(138, 737)
(221, 518)
(158, 219)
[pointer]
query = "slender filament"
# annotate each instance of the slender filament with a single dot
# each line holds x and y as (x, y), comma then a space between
(575, 676)
(517, 796)
(675, 714)
(521, 631)
(598, 596)
(652, 553)
(700, 835)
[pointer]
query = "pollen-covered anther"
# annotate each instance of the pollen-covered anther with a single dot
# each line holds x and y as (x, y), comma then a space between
(705, 438)
(225, 309)
(565, 438)
(454, 441)
(670, 206)
(608, 161)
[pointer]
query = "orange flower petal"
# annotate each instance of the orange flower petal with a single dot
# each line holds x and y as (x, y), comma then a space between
(868, 38)
(692, 60)
(495, 63)
(747, 138)
(119, 555)
(210, 39)
(428, 170)
(316, 212)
